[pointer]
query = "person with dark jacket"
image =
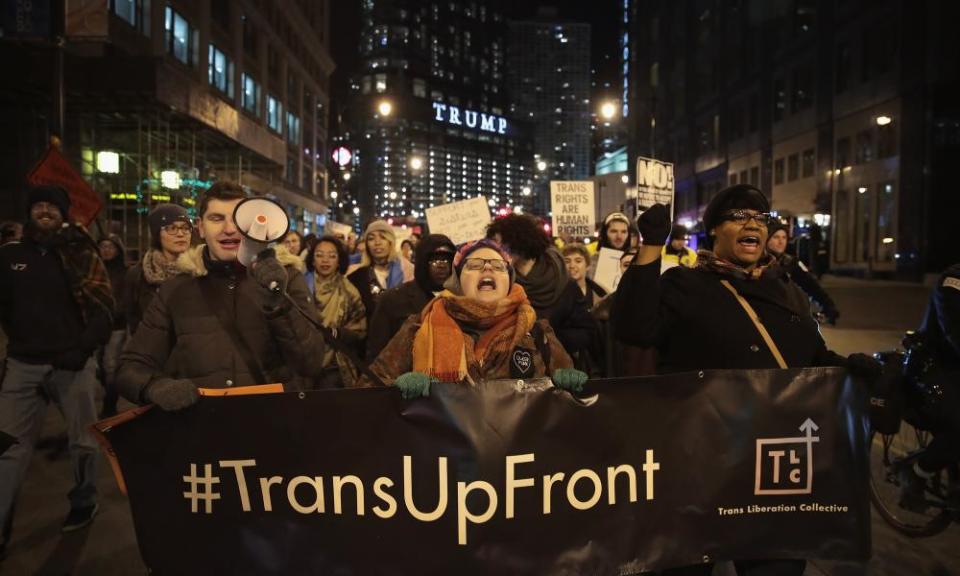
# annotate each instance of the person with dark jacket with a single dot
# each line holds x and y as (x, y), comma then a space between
(56, 307)
(432, 267)
(381, 266)
(695, 321)
(940, 372)
(114, 256)
(543, 275)
(170, 236)
(777, 247)
(218, 324)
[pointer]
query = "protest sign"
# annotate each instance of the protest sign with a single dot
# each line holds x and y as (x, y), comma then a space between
(572, 206)
(636, 474)
(655, 183)
(55, 170)
(337, 229)
(461, 221)
(400, 234)
(608, 273)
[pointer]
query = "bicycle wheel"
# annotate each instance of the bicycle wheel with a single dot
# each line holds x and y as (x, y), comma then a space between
(885, 452)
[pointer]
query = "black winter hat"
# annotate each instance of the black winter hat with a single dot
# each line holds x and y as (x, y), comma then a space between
(678, 232)
(421, 266)
(732, 198)
(163, 215)
(52, 194)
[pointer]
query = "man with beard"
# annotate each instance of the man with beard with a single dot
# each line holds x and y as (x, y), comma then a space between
(433, 264)
(56, 306)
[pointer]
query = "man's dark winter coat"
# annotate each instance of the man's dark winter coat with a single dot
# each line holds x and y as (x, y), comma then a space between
(181, 336)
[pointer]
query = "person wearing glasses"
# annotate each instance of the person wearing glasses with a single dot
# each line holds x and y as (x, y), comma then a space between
(340, 308)
(693, 317)
(482, 327)
(433, 265)
(170, 236)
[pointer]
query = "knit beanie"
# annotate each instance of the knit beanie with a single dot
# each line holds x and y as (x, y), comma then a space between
(163, 215)
(470, 247)
(383, 227)
(54, 195)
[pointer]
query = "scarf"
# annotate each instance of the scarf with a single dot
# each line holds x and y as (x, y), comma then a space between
(340, 307)
(157, 269)
(546, 281)
(709, 262)
(86, 272)
(439, 346)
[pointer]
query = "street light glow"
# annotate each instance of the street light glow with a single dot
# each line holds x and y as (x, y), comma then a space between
(108, 162)
(625, 179)
(170, 179)
(385, 108)
(608, 110)
(525, 191)
(541, 165)
(416, 163)
(346, 176)
(883, 120)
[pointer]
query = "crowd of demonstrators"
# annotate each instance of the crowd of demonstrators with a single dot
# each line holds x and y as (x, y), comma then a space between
(541, 272)
(483, 327)
(340, 309)
(56, 307)
(218, 324)
(616, 233)
(293, 243)
(576, 258)
(113, 254)
(433, 264)
(380, 267)
(777, 247)
(936, 366)
(407, 251)
(709, 316)
(676, 252)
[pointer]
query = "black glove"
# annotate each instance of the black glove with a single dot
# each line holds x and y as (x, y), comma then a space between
(270, 274)
(170, 394)
(863, 366)
(72, 360)
(654, 225)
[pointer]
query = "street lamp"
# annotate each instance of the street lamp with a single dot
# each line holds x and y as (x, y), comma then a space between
(385, 108)
(608, 110)
(416, 163)
(883, 120)
(541, 165)
(346, 176)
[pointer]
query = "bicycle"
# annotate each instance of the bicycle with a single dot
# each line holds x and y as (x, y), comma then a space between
(891, 453)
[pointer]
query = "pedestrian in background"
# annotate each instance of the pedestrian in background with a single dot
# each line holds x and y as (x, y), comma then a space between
(113, 254)
(293, 242)
(340, 309)
(432, 268)
(171, 234)
(777, 247)
(56, 307)
(676, 252)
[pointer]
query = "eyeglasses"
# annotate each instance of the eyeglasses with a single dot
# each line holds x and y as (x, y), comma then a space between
(177, 229)
(475, 264)
(742, 217)
(325, 255)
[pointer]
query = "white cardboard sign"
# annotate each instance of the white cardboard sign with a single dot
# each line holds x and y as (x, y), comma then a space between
(572, 205)
(655, 183)
(607, 274)
(400, 234)
(461, 221)
(336, 228)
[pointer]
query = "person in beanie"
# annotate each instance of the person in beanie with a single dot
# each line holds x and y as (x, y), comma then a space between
(693, 317)
(381, 267)
(171, 234)
(218, 324)
(432, 267)
(676, 253)
(777, 247)
(55, 307)
(113, 253)
(481, 327)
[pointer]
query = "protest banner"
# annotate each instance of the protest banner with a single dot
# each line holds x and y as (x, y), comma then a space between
(608, 273)
(655, 183)
(636, 474)
(572, 206)
(460, 221)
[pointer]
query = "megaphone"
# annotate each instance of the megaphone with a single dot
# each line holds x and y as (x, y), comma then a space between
(260, 222)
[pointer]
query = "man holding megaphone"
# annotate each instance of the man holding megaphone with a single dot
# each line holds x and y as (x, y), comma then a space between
(226, 320)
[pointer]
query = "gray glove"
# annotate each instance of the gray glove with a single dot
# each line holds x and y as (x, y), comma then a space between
(270, 274)
(171, 395)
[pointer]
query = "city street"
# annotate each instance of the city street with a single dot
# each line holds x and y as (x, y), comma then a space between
(874, 315)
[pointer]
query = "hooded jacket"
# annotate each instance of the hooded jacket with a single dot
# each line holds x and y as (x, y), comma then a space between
(397, 304)
(182, 334)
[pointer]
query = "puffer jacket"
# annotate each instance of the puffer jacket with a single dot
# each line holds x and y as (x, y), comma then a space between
(182, 336)
(397, 357)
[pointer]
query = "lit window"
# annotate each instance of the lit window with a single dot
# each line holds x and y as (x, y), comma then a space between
(180, 38)
(274, 114)
(220, 71)
(251, 95)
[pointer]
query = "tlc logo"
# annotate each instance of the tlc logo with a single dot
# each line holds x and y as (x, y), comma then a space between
(785, 465)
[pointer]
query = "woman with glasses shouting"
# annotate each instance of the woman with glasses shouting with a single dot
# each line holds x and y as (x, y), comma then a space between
(481, 328)
(171, 234)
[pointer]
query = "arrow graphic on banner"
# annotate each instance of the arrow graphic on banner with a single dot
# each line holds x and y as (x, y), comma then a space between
(809, 426)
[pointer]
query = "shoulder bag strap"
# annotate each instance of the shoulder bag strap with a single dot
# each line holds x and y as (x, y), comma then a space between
(756, 322)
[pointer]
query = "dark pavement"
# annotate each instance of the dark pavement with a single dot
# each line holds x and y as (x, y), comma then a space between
(874, 314)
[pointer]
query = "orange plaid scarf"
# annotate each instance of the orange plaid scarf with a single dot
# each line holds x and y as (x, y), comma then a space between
(439, 347)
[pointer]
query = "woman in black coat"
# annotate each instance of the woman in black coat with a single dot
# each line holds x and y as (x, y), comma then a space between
(694, 320)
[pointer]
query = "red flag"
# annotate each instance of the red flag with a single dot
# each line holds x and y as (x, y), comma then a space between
(54, 170)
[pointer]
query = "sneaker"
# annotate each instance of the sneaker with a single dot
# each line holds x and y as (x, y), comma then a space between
(912, 490)
(80, 518)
